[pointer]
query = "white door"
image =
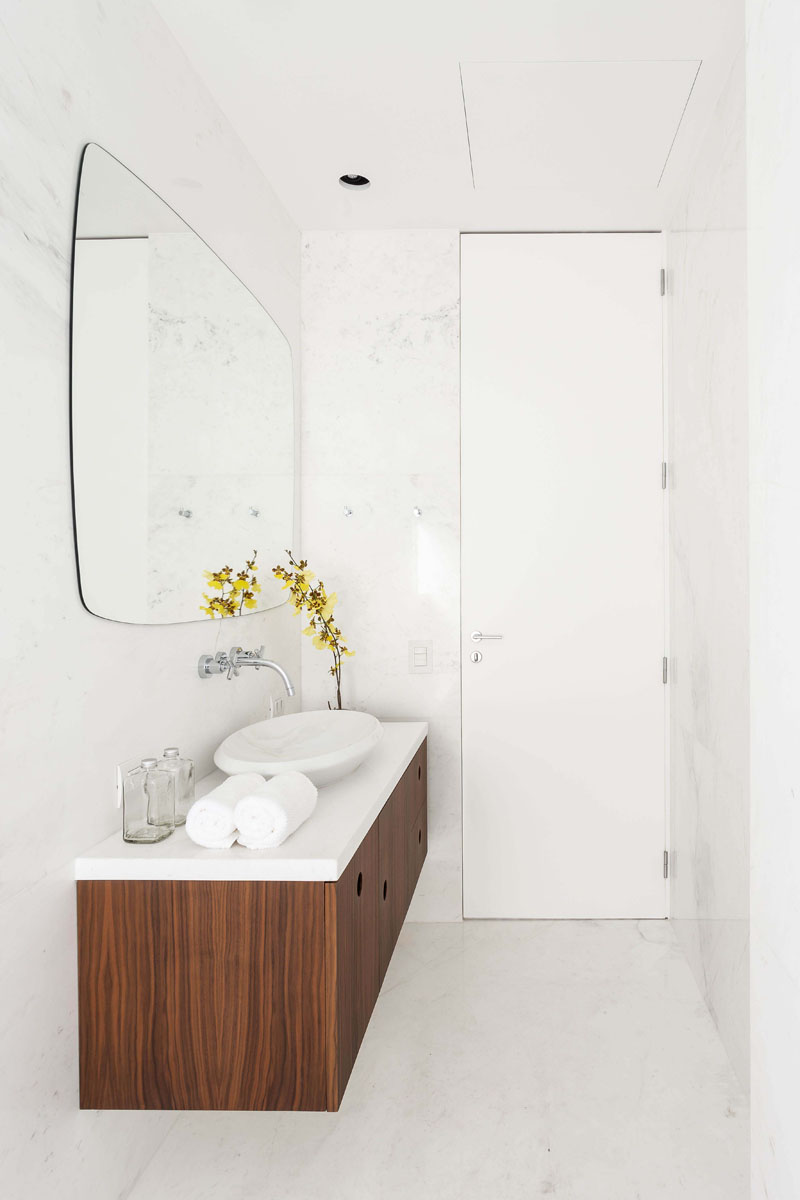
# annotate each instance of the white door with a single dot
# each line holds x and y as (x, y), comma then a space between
(563, 557)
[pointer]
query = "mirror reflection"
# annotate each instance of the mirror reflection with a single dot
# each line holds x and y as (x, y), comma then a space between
(182, 412)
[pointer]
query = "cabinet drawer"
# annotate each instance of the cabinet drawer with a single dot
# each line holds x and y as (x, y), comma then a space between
(352, 961)
(393, 877)
(417, 783)
(417, 847)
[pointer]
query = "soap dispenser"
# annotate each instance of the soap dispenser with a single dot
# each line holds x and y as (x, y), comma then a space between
(148, 803)
(183, 772)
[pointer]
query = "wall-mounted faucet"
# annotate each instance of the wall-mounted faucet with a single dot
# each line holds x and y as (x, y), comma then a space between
(232, 663)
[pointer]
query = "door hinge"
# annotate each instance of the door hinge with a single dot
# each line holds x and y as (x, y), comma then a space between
(663, 281)
(664, 669)
(663, 476)
(666, 864)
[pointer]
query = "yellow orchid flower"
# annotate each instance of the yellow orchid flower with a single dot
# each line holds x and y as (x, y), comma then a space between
(236, 592)
(325, 634)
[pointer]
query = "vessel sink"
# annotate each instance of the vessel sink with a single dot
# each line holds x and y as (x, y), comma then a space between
(324, 745)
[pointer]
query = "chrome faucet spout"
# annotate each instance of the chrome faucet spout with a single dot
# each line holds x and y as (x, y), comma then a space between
(233, 662)
(267, 662)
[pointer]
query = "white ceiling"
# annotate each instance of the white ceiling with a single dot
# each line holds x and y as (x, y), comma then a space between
(577, 114)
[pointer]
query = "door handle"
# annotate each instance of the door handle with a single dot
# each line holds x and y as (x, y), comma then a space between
(486, 637)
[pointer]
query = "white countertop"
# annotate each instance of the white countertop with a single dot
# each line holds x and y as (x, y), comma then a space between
(319, 850)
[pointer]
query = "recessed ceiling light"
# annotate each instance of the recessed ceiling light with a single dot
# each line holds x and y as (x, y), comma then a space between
(354, 181)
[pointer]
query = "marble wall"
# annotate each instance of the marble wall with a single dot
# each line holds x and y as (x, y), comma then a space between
(773, 199)
(79, 693)
(381, 437)
(708, 506)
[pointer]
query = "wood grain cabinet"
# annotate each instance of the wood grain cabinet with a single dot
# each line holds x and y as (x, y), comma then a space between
(352, 961)
(416, 824)
(243, 994)
(393, 840)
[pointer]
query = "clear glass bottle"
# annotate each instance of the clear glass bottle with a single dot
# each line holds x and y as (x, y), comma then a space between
(148, 803)
(183, 770)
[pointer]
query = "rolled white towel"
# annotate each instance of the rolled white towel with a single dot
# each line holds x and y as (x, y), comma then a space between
(268, 816)
(210, 821)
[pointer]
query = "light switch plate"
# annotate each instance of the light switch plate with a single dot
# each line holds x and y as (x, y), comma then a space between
(420, 658)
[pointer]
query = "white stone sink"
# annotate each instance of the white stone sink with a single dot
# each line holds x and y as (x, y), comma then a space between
(325, 745)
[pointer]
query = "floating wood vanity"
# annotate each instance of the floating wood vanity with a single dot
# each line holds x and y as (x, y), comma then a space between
(246, 979)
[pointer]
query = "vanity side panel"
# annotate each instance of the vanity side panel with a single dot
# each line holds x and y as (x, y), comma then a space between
(122, 971)
(352, 957)
(245, 999)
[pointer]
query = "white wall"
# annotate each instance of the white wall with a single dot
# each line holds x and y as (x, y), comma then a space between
(80, 693)
(709, 703)
(773, 163)
(381, 436)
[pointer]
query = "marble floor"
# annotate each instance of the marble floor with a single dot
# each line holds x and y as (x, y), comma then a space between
(568, 1059)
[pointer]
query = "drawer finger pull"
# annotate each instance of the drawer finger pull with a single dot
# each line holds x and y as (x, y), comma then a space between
(419, 836)
(359, 883)
(385, 887)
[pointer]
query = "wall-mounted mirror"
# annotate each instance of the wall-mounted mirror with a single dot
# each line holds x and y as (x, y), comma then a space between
(182, 411)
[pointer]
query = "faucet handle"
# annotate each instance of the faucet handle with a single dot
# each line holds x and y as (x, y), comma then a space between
(209, 664)
(233, 661)
(254, 655)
